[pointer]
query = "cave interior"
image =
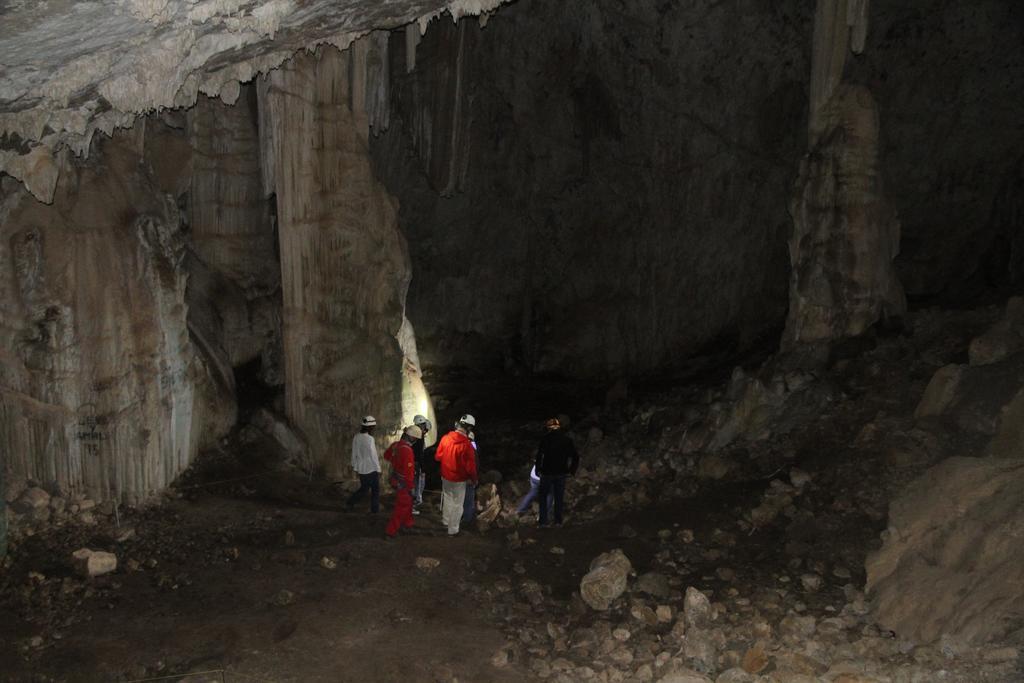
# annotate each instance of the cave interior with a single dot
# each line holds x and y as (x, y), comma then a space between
(764, 261)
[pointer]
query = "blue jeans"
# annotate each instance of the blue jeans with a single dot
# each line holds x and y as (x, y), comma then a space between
(417, 490)
(469, 504)
(551, 486)
(524, 504)
(367, 482)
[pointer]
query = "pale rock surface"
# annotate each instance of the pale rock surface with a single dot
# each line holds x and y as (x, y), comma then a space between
(136, 56)
(348, 349)
(697, 610)
(102, 391)
(91, 563)
(606, 579)
(951, 563)
(684, 676)
(846, 234)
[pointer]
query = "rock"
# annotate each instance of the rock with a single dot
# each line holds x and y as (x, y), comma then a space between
(714, 466)
(699, 647)
(606, 579)
(799, 663)
(58, 504)
(811, 582)
(328, 562)
(799, 478)
(684, 676)
(735, 675)
(427, 563)
(289, 538)
(696, 609)
(91, 563)
(13, 486)
(32, 499)
(124, 535)
(283, 598)
(941, 391)
(664, 614)
(1003, 339)
(755, 660)
(949, 563)
(654, 584)
(502, 657)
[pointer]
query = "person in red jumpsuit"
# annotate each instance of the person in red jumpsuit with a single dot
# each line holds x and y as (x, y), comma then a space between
(403, 470)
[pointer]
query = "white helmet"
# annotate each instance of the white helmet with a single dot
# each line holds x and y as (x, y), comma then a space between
(414, 432)
(422, 422)
(369, 421)
(468, 419)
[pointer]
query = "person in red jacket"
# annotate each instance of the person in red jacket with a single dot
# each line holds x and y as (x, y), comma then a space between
(403, 470)
(458, 466)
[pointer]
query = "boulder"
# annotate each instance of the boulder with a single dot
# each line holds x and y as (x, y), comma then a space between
(684, 676)
(606, 579)
(697, 611)
(32, 499)
(951, 562)
(654, 584)
(1003, 339)
(92, 563)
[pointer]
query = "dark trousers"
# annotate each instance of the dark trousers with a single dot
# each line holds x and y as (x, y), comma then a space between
(554, 487)
(367, 482)
(469, 504)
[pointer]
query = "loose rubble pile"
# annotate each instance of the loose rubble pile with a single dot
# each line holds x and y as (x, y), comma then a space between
(658, 628)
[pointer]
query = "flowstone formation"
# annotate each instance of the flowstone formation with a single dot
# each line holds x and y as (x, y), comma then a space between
(845, 234)
(101, 388)
(344, 264)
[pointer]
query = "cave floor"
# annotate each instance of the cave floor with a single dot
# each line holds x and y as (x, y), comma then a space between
(267, 579)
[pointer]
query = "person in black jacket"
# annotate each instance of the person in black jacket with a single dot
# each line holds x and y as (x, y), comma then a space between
(556, 459)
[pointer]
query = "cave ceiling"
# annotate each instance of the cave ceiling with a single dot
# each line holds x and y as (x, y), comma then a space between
(69, 69)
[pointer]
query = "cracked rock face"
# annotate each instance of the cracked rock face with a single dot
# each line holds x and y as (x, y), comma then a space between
(70, 69)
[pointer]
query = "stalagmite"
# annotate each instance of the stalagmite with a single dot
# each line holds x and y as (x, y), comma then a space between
(344, 263)
(846, 234)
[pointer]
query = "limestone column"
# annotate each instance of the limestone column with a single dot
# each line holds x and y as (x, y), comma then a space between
(845, 233)
(345, 267)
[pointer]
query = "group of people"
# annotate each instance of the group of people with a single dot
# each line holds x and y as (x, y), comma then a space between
(456, 452)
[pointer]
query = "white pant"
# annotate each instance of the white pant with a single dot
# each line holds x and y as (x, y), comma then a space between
(453, 496)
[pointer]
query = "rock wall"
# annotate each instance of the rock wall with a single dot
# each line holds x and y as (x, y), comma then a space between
(951, 561)
(234, 282)
(945, 75)
(597, 190)
(100, 390)
(344, 263)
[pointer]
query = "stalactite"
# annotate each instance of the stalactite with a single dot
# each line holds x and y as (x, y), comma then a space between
(412, 39)
(840, 26)
(437, 111)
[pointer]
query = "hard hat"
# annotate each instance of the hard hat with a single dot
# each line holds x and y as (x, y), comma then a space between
(369, 421)
(414, 431)
(553, 423)
(422, 422)
(468, 419)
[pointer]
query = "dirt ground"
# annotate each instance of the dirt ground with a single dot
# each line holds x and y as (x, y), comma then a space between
(267, 579)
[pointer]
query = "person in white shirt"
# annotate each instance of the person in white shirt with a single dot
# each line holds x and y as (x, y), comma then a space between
(366, 464)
